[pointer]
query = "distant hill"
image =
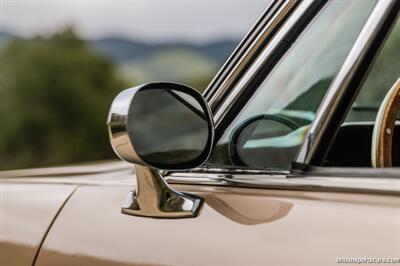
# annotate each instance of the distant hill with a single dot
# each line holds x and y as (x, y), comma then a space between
(181, 65)
(123, 50)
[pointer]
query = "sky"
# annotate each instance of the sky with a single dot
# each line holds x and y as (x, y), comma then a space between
(198, 21)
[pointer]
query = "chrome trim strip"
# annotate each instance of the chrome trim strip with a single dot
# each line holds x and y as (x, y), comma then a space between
(363, 123)
(244, 54)
(337, 88)
(233, 171)
(388, 186)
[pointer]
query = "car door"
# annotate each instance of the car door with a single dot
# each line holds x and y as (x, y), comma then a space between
(260, 209)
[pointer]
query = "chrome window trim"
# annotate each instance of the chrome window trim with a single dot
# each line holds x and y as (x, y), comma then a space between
(248, 49)
(268, 52)
(235, 59)
(341, 82)
(343, 184)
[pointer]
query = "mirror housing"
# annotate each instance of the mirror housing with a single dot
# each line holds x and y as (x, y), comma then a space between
(166, 126)
(163, 125)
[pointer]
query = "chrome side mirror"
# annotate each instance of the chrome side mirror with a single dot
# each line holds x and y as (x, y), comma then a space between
(165, 126)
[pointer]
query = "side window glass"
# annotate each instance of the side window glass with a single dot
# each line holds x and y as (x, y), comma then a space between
(384, 72)
(271, 126)
(356, 131)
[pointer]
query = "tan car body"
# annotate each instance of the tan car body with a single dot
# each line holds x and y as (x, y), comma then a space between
(236, 226)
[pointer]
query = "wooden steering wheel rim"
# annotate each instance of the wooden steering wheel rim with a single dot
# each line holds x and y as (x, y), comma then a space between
(382, 136)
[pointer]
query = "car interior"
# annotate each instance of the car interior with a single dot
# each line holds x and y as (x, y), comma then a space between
(352, 146)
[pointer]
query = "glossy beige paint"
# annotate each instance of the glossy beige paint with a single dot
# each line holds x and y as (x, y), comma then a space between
(26, 211)
(30, 199)
(237, 226)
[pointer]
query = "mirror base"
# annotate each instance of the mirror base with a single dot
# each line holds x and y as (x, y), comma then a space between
(153, 197)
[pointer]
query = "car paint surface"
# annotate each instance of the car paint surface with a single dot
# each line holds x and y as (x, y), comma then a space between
(236, 226)
(30, 200)
(26, 212)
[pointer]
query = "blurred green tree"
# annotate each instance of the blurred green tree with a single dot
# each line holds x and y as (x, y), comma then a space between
(199, 83)
(54, 98)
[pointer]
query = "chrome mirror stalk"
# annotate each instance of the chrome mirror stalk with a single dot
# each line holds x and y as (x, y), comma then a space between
(153, 197)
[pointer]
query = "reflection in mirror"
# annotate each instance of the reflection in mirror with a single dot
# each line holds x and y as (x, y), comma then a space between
(266, 141)
(167, 127)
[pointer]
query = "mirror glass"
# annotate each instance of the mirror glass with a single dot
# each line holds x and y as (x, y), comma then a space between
(266, 141)
(168, 127)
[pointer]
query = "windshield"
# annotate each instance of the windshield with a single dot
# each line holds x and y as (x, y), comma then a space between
(269, 129)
